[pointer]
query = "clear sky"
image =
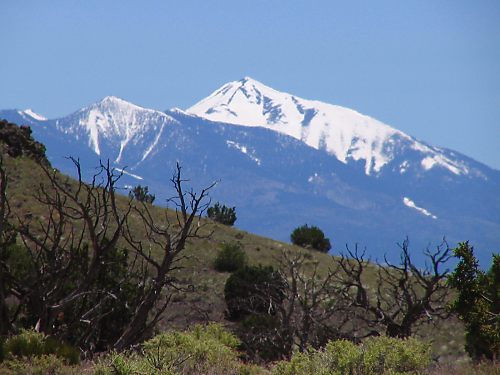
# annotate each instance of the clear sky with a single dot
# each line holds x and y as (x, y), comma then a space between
(429, 68)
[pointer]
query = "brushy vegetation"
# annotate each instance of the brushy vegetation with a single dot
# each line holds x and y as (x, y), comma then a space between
(213, 350)
(33, 344)
(377, 355)
(201, 350)
(230, 258)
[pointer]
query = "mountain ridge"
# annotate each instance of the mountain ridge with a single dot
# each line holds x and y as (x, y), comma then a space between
(278, 181)
(343, 132)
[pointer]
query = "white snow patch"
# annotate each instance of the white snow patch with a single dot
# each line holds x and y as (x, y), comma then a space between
(409, 203)
(245, 150)
(33, 114)
(129, 174)
(178, 110)
(442, 161)
(152, 145)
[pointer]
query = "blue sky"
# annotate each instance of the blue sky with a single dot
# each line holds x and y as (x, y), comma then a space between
(429, 68)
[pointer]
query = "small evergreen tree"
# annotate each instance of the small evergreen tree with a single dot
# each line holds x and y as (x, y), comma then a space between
(477, 303)
(310, 237)
(254, 298)
(254, 290)
(230, 258)
(222, 214)
(142, 194)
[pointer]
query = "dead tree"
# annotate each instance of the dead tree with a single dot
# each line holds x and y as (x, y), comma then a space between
(87, 271)
(68, 248)
(170, 238)
(405, 295)
(313, 310)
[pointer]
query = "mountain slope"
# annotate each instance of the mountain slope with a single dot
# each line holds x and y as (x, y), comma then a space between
(342, 132)
(386, 186)
(116, 127)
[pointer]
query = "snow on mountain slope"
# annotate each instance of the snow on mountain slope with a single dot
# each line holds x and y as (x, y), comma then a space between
(340, 131)
(29, 112)
(115, 122)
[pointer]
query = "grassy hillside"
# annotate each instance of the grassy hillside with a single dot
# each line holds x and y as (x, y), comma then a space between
(202, 300)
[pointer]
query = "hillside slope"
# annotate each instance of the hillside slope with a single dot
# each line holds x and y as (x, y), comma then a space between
(203, 300)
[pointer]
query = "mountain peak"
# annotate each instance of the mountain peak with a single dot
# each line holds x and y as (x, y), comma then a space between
(117, 121)
(342, 132)
(116, 103)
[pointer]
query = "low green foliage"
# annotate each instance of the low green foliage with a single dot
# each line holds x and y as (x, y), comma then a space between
(230, 258)
(30, 344)
(402, 356)
(40, 365)
(201, 350)
(379, 355)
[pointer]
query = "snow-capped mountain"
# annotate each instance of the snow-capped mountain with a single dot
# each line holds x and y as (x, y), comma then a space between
(116, 129)
(285, 161)
(342, 132)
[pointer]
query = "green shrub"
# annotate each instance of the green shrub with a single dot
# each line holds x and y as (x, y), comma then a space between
(40, 365)
(201, 350)
(141, 194)
(379, 355)
(230, 258)
(388, 354)
(33, 344)
(222, 214)
(310, 237)
(476, 303)
(263, 338)
(343, 356)
(253, 290)
(26, 344)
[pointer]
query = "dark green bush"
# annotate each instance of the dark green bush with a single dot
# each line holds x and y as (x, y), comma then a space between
(253, 290)
(142, 194)
(2, 349)
(230, 258)
(18, 141)
(310, 237)
(477, 302)
(222, 214)
(262, 338)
